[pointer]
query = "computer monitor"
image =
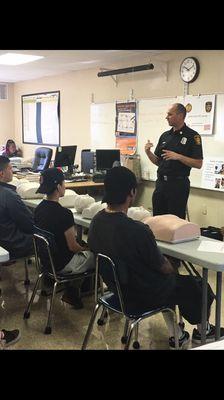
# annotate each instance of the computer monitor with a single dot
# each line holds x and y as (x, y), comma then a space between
(65, 157)
(87, 161)
(106, 158)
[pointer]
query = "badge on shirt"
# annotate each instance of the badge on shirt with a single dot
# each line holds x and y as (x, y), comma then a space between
(183, 140)
(197, 139)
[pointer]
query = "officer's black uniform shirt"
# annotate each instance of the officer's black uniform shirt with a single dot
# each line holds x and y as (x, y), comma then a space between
(131, 244)
(185, 141)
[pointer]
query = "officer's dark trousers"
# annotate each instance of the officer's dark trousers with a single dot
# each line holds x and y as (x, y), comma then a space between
(170, 197)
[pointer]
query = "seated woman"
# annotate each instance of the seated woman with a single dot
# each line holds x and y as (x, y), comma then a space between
(11, 150)
(51, 216)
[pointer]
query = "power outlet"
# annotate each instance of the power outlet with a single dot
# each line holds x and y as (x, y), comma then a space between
(204, 209)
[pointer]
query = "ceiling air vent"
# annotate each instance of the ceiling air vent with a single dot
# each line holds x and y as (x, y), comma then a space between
(3, 91)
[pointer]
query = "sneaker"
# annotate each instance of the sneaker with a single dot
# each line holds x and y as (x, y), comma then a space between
(210, 336)
(10, 337)
(74, 301)
(183, 341)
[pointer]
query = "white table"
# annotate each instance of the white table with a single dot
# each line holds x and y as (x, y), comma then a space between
(219, 345)
(4, 255)
(187, 252)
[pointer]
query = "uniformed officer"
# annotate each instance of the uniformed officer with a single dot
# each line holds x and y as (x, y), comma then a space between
(177, 151)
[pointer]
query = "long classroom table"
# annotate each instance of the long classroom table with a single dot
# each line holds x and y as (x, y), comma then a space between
(185, 251)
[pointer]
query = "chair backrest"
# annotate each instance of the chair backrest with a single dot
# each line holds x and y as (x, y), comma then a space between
(87, 161)
(45, 251)
(42, 158)
(108, 272)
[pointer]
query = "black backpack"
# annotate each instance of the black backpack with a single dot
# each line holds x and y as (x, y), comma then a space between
(212, 232)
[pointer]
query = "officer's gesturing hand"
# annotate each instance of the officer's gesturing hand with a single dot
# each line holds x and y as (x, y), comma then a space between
(170, 155)
(148, 146)
(153, 158)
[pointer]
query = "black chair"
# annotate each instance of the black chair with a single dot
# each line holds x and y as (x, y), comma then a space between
(27, 261)
(106, 271)
(42, 159)
(45, 253)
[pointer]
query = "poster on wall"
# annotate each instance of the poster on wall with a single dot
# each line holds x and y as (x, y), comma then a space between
(126, 127)
(200, 113)
(41, 118)
(213, 173)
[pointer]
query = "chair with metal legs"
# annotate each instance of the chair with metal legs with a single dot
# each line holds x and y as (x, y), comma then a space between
(106, 270)
(45, 247)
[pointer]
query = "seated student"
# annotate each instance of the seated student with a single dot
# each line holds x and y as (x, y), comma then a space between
(16, 220)
(8, 338)
(11, 150)
(151, 281)
(52, 217)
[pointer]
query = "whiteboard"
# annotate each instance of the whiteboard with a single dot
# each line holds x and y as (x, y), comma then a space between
(151, 124)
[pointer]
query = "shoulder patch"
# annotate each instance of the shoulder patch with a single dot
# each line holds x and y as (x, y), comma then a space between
(197, 139)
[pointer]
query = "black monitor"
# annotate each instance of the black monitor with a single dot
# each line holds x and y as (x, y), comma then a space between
(65, 157)
(87, 161)
(106, 158)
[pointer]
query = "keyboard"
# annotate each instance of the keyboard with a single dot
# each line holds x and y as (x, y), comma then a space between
(76, 179)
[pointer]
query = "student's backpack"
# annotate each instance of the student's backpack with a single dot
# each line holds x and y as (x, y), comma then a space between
(212, 232)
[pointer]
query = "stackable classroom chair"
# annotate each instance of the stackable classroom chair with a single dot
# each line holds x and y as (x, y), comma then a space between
(106, 271)
(45, 252)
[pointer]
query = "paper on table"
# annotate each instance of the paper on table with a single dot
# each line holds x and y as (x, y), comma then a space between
(212, 247)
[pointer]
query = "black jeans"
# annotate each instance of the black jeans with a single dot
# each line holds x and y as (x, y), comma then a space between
(187, 294)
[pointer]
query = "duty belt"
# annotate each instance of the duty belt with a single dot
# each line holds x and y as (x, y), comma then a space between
(170, 178)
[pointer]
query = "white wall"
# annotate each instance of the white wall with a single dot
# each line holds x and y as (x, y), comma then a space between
(76, 93)
(7, 121)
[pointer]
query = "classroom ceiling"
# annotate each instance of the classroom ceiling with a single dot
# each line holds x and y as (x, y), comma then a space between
(56, 62)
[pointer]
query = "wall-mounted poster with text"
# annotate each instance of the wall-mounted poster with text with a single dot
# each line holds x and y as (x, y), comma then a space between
(126, 127)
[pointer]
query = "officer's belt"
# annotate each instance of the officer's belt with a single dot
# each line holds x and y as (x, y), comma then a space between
(170, 178)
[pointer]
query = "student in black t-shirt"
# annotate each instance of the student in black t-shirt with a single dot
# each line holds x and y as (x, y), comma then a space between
(52, 217)
(148, 279)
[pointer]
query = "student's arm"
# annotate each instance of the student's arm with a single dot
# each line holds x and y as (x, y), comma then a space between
(71, 241)
(150, 252)
(19, 213)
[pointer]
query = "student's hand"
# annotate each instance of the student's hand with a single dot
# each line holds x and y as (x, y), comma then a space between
(167, 268)
(148, 146)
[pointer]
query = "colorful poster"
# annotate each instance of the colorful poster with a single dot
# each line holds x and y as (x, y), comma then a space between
(200, 113)
(213, 174)
(126, 127)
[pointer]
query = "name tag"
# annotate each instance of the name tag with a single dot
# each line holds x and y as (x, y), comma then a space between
(183, 140)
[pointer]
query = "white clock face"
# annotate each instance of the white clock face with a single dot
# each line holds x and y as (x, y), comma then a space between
(189, 69)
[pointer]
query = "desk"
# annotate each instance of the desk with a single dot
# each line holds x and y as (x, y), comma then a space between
(188, 252)
(87, 184)
(68, 185)
(4, 255)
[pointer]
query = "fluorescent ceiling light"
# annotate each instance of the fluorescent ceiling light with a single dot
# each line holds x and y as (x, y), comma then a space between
(17, 59)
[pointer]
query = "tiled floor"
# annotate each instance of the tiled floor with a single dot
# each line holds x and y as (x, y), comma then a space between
(69, 325)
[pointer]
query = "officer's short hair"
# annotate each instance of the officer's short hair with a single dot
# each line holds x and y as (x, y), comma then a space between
(181, 109)
(4, 161)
